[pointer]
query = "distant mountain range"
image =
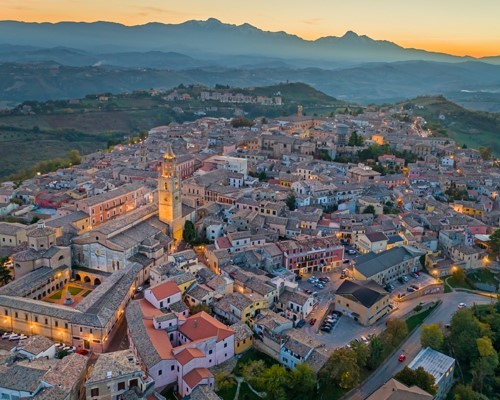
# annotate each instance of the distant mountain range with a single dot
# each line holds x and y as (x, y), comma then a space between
(209, 41)
(41, 61)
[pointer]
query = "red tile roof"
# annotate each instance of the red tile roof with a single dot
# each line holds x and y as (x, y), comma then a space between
(196, 376)
(202, 325)
(189, 354)
(165, 289)
(223, 243)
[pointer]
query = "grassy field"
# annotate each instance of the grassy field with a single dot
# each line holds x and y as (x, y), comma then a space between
(74, 290)
(483, 276)
(454, 284)
(418, 319)
(253, 355)
(86, 293)
(57, 295)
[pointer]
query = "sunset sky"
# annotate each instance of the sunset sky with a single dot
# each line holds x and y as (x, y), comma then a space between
(461, 27)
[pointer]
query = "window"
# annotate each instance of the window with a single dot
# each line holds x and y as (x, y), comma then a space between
(121, 385)
(94, 392)
(65, 325)
(56, 324)
(225, 345)
(210, 351)
(81, 329)
(16, 315)
(172, 368)
(36, 319)
(90, 330)
(46, 321)
(160, 372)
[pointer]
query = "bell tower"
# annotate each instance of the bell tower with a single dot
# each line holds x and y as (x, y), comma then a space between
(169, 195)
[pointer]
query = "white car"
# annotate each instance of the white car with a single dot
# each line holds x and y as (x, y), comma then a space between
(462, 305)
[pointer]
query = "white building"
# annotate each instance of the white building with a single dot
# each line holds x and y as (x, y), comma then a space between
(439, 365)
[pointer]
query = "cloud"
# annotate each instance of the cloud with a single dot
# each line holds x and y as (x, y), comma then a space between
(312, 21)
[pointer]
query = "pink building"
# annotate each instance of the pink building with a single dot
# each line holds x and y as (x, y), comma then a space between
(173, 348)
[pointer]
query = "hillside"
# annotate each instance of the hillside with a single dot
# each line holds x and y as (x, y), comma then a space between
(474, 128)
(36, 131)
(368, 83)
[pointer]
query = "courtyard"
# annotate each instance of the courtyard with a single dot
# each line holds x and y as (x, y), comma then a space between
(76, 291)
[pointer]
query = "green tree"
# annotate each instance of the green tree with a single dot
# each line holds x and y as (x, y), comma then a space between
(395, 332)
(263, 176)
(464, 332)
(241, 122)
(224, 380)
(74, 157)
(462, 392)
(341, 369)
(485, 152)
(291, 201)
(189, 232)
(484, 367)
(376, 352)
(369, 210)
(362, 353)
(356, 140)
(432, 336)
(302, 382)
(5, 275)
(419, 377)
(494, 243)
(274, 380)
(252, 371)
(459, 275)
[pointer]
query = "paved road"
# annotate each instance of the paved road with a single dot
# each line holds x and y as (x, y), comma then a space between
(412, 345)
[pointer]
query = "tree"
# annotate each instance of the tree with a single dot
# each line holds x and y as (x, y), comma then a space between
(362, 353)
(252, 371)
(241, 122)
(418, 377)
(224, 380)
(484, 367)
(356, 140)
(341, 369)
(464, 332)
(263, 176)
(462, 392)
(369, 210)
(5, 275)
(494, 243)
(432, 336)
(376, 351)
(74, 157)
(302, 381)
(199, 308)
(274, 380)
(291, 201)
(485, 152)
(459, 275)
(189, 232)
(395, 332)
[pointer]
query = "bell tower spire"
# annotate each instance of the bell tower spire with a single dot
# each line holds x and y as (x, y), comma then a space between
(169, 194)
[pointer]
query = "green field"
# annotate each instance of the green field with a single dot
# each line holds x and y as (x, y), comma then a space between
(418, 319)
(473, 128)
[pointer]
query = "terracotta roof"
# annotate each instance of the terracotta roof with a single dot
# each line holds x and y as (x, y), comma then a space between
(189, 354)
(158, 337)
(196, 376)
(165, 289)
(202, 325)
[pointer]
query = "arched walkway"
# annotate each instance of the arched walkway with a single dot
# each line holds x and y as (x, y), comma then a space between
(97, 281)
(78, 278)
(86, 279)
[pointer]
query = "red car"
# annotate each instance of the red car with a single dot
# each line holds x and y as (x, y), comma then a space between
(417, 273)
(401, 357)
(312, 321)
(83, 352)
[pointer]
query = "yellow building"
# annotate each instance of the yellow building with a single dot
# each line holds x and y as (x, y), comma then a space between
(243, 337)
(240, 307)
(364, 301)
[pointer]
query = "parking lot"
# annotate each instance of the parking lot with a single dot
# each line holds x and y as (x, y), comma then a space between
(401, 289)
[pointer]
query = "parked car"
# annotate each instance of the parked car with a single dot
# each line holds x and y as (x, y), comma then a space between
(298, 278)
(415, 287)
(417, 273)
(410, 289)
(326, 329)
(351, 252)
(300, 324)
(364, 339)
(83, 352)
(312, 321)
(308, 291)
(402, 357)
(462, 305)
